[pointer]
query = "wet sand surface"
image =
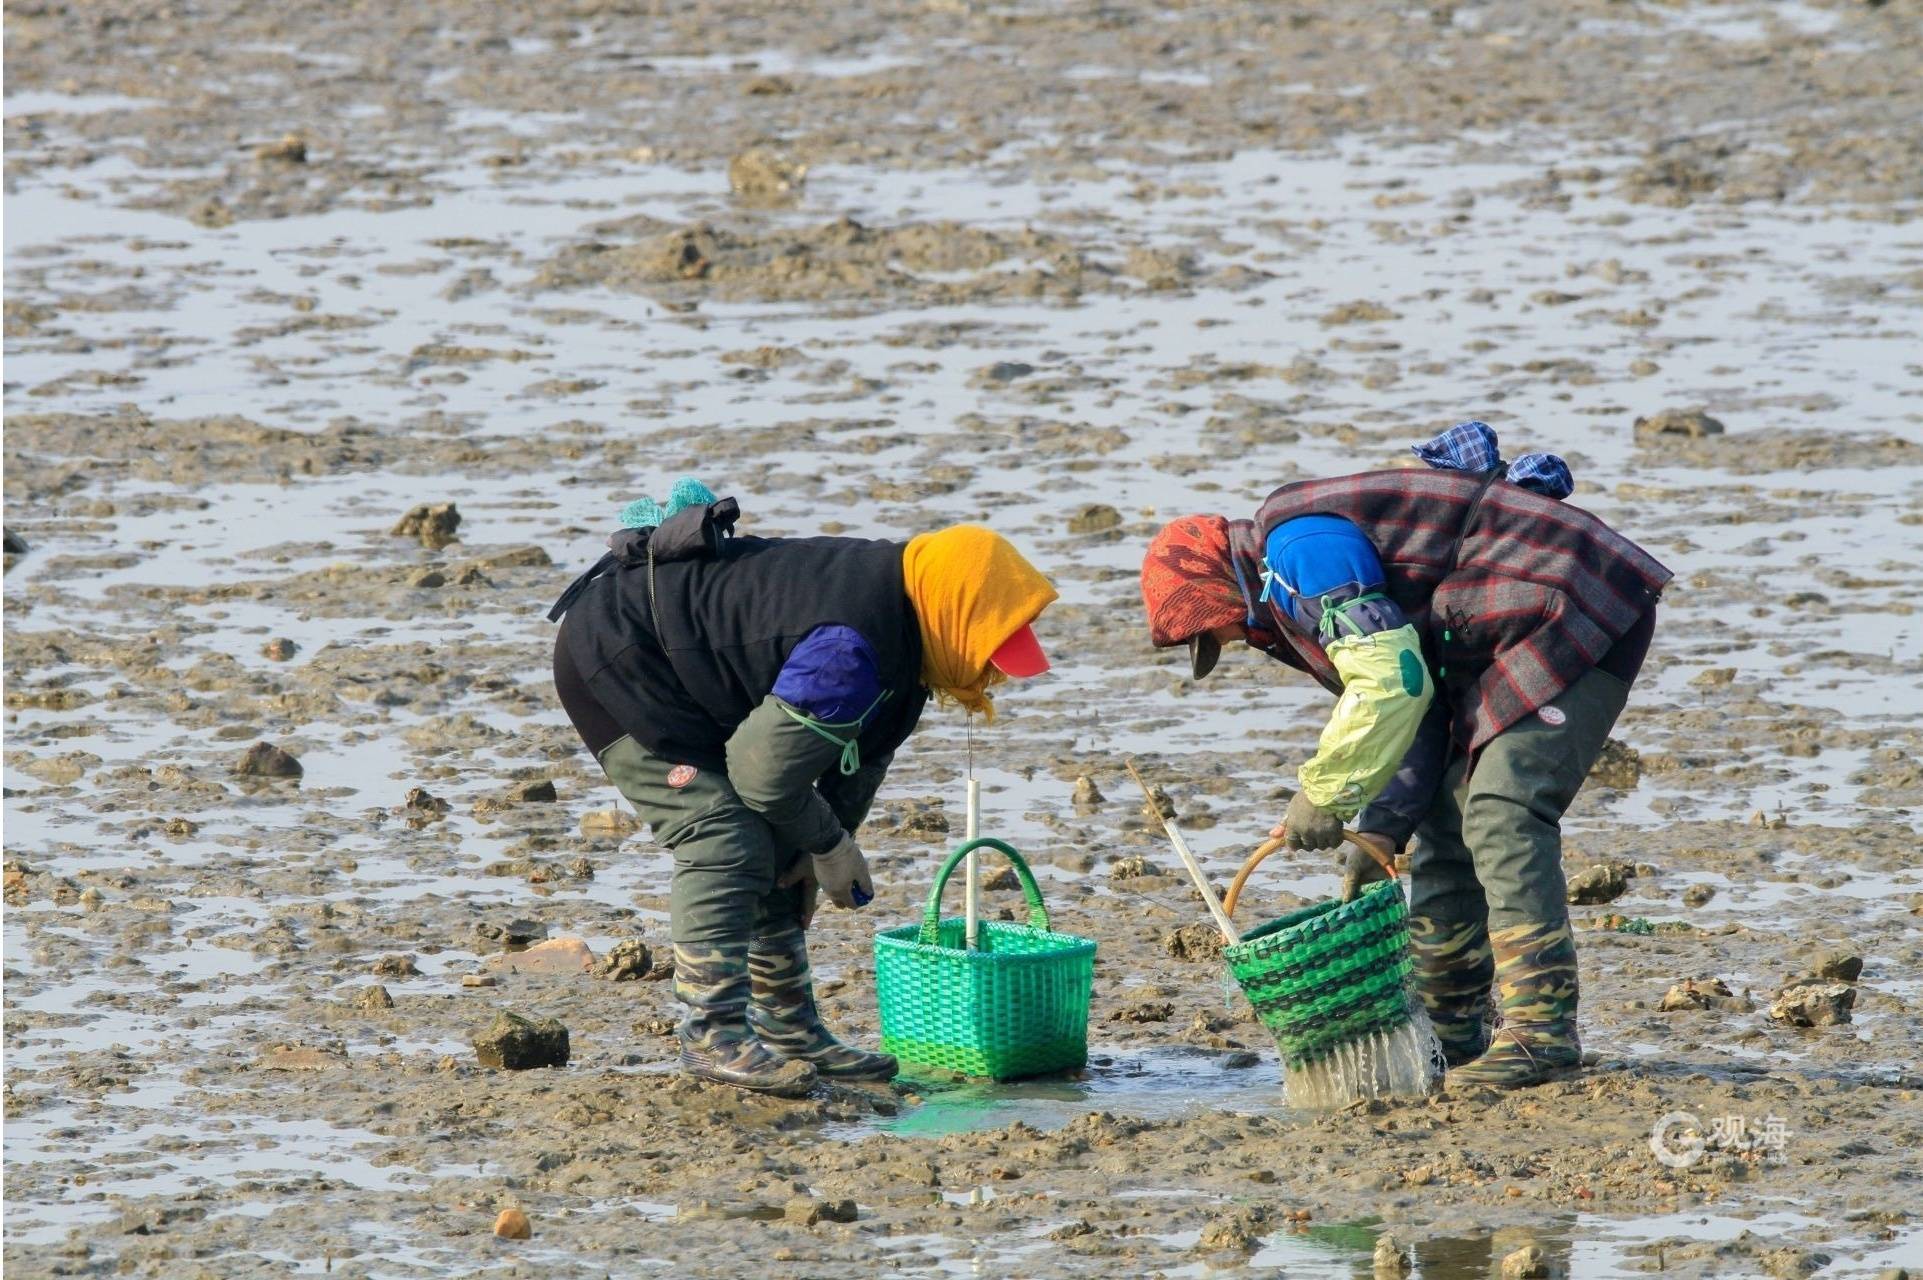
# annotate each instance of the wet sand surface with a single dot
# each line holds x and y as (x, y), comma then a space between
(276, 274)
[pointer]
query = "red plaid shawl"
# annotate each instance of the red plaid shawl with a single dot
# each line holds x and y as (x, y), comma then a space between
(1539, 592)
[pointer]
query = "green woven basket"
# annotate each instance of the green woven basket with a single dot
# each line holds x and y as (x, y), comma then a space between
(1016, 1005)
(1328, 974)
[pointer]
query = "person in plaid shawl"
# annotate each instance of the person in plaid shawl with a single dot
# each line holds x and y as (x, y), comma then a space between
(1481, 637)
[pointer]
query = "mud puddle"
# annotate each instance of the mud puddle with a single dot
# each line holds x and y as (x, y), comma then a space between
(1157, 1084)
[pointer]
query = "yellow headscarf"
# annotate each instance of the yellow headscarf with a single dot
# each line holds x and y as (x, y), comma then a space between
(971, 590)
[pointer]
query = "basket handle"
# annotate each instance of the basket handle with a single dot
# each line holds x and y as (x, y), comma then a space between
(931, 915)
(1268, 847)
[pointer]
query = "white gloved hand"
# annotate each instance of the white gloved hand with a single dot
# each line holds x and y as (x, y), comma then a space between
(841, 872)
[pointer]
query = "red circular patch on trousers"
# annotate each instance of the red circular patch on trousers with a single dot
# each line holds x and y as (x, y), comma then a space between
(681, 775)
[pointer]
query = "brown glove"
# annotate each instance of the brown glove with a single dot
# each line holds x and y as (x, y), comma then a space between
(1370, 858)
(1305, 826)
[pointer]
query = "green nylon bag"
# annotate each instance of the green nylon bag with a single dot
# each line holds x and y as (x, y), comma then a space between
(1015, 1006)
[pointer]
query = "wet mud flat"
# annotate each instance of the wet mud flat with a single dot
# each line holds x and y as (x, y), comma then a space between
(277, 275)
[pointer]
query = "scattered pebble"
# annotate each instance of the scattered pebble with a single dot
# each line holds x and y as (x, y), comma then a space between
(512, 1224)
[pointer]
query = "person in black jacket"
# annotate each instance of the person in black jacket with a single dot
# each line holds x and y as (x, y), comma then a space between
(747, 696)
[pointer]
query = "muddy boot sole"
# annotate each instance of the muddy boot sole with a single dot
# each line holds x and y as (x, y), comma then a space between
(793, 1079)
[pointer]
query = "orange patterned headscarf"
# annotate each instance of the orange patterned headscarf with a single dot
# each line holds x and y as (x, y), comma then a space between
(1188, 580)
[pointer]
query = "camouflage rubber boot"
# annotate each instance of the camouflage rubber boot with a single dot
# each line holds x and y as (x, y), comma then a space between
(1536, 1042)
(1454, 968)
(783, 1014)
(716, 1042)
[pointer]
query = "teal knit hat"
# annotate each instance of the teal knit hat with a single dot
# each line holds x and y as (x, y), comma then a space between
(646, 513)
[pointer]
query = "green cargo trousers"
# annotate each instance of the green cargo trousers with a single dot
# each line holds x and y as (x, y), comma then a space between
(726, 856)
(1490, 850)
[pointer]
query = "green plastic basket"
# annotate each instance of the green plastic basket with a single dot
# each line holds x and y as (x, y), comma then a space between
(1328, 974)
(1016, 1005)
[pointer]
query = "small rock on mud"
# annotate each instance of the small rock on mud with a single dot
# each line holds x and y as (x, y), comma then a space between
(1086, 794)
(1701, 993)
(1239, 1229)
(807, 1211)
(1619, 766)
(1698, 895)
(1133, 867)
(541, 792)
(556, 956)
(395, 966)
(1144, 1011)
(1526, 1263)
(609, 822)
(1002, 878)
(628, 961)
(433, 523)
(1604, 882)
(1193, 943)
(1692, 424)
(279, 649)
(1834, 965)
(518, 932)
(300, 1057)
(1095, 517)
(419, 807)
(514, 1043)
(374, 999)
(1390, 1258)
(265, 760)
(763, 175)
(512, 1224)
(290, 149)
(923, 818)
(1814, 1004)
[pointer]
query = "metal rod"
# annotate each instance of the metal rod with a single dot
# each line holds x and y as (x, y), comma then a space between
(972, 897)
(1209, 900)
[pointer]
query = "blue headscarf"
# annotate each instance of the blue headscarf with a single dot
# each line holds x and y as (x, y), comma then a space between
(1471, 446)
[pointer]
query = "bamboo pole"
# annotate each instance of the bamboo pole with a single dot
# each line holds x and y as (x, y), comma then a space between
(1174, 833)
